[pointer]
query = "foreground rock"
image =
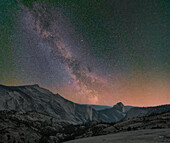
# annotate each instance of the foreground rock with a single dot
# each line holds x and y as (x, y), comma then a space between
(157, 121)
(141, 136)
(30, 127)
(33, 127)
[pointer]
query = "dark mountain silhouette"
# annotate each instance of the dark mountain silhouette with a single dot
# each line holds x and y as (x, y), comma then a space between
(34, 98)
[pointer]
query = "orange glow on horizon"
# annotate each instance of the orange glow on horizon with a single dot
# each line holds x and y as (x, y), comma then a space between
(135, 92)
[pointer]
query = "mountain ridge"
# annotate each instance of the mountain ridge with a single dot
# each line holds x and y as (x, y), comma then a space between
(35, 98)
(146, 111)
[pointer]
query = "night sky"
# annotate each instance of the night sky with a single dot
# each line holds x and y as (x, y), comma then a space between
(88, 51)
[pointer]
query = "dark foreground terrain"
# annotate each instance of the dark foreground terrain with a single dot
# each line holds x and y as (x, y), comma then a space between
(33, 127)
(139, 136)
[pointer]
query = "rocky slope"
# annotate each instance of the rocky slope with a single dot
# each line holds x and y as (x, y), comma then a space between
(96, 128)
(109, 114)
(30, 127)
(35, 98)
(34, 127)
(139, 136)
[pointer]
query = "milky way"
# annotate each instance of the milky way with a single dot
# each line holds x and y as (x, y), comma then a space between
(85, 81)
(95, 52)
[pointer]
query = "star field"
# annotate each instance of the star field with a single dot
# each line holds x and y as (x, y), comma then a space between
(91, 52)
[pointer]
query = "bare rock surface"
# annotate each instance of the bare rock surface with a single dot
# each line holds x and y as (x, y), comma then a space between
(140, 136)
